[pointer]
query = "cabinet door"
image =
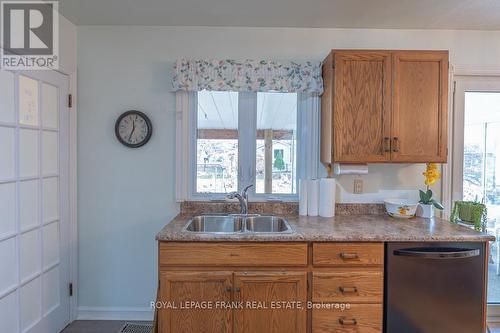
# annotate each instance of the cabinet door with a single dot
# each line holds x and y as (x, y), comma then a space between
(419, 106)
(273, 302)
(178, 289)
(361, 115)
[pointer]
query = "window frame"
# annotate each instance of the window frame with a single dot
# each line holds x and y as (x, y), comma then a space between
(308, 106)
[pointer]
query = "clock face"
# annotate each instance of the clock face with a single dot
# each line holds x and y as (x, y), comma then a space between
(133, 129)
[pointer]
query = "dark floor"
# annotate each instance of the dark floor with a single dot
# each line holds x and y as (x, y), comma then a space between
(95, 326)
(113, 326)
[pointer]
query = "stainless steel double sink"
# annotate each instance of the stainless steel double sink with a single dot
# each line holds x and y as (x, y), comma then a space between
(238, 224)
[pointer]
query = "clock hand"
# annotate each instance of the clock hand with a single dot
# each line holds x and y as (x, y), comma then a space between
(132, 132)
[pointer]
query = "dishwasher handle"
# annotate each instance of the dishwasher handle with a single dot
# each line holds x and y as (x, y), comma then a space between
(437, 253)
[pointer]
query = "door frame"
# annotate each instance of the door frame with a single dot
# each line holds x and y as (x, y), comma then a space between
(464, 78)
(72, 191)
(459, 75)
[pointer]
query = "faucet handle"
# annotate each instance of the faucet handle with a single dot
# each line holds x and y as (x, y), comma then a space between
(231, 195)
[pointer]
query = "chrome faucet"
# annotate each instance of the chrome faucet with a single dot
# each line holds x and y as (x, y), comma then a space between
(242, 198)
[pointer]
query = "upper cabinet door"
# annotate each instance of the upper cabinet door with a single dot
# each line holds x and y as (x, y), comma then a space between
(419, 106)
(361, 106)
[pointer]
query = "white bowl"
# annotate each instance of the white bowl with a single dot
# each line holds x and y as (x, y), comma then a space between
(401, 208)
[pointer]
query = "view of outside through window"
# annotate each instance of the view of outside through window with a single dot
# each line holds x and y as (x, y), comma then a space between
(481, 180)
(276, 149)
(217, 142)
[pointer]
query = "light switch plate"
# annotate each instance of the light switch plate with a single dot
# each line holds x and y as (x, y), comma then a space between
(358, 186)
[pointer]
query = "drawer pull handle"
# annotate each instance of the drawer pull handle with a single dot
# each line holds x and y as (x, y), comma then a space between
(395, 145)
(228, 289)
(345, 290)
(237, 289)
(387, 144)
(346, 322)
(347, 256)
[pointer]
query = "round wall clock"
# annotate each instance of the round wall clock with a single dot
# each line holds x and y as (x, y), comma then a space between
(133, 129)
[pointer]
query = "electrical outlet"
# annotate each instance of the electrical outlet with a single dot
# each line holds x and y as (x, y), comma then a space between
(358, 186)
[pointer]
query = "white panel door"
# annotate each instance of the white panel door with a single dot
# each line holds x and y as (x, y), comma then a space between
(34, 230)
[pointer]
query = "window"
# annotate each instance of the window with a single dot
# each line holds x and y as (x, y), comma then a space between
(228, 140)
(217, 142)
(276, 143)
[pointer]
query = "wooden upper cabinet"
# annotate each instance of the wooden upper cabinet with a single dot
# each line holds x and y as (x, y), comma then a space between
(419, 106)
(361, 126)
(283, 289)
(384, 106)
(177, 288)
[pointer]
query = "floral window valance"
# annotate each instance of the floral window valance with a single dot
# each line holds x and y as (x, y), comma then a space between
(248, 75)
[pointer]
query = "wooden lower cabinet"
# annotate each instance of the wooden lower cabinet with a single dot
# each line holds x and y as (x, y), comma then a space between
(274, 302)
(359, 318)
(269, 287)
(366, 286)
(179, 289)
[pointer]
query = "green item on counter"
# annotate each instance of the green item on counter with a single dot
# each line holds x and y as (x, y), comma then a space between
(470, 213)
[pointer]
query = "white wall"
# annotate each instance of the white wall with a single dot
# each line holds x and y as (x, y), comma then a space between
(125, 196)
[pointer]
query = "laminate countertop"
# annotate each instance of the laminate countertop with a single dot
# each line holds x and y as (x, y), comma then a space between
(347, 228)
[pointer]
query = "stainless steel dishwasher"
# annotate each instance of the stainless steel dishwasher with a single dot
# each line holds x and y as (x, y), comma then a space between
(435, 287)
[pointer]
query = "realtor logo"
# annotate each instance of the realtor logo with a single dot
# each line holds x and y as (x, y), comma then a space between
(30, 35)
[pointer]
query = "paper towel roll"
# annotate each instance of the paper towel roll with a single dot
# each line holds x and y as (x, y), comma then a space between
(312, 197)
(302, 197)
(350, 169)
(327, 187)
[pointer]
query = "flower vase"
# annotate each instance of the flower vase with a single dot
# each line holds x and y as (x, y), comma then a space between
(425, 211)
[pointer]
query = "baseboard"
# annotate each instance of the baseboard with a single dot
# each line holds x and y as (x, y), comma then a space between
(115, 313)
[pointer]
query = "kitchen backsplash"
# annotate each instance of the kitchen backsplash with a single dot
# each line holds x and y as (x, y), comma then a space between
(191, 208)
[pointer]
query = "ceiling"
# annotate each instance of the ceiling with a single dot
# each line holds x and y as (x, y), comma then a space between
(219, 110)
(398, 14)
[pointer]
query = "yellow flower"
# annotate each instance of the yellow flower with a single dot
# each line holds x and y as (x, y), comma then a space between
(431, 174)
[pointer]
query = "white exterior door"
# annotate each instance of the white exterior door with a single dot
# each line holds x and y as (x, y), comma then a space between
(34, 249)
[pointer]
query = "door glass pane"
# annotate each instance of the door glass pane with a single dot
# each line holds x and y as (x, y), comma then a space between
(9, 313)
(28, 204)
(51, 290)
(50, 112)
(276, 143)
(30, 303)
(7, 209)
(28, 153)
(7, 156)
(30, 259)
(50, 149)
(8, 278)
(28, 101)
(50, 198)
(217, 142)
(7, 97)
(481, 180)
(50, 244)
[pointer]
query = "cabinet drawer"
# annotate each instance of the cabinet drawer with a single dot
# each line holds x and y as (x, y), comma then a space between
(353, 287)
(229, 254)
(359, 318)
(348, 254)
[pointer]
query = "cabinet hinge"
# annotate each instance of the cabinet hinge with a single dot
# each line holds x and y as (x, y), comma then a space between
(70, 100)
(70, 287)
